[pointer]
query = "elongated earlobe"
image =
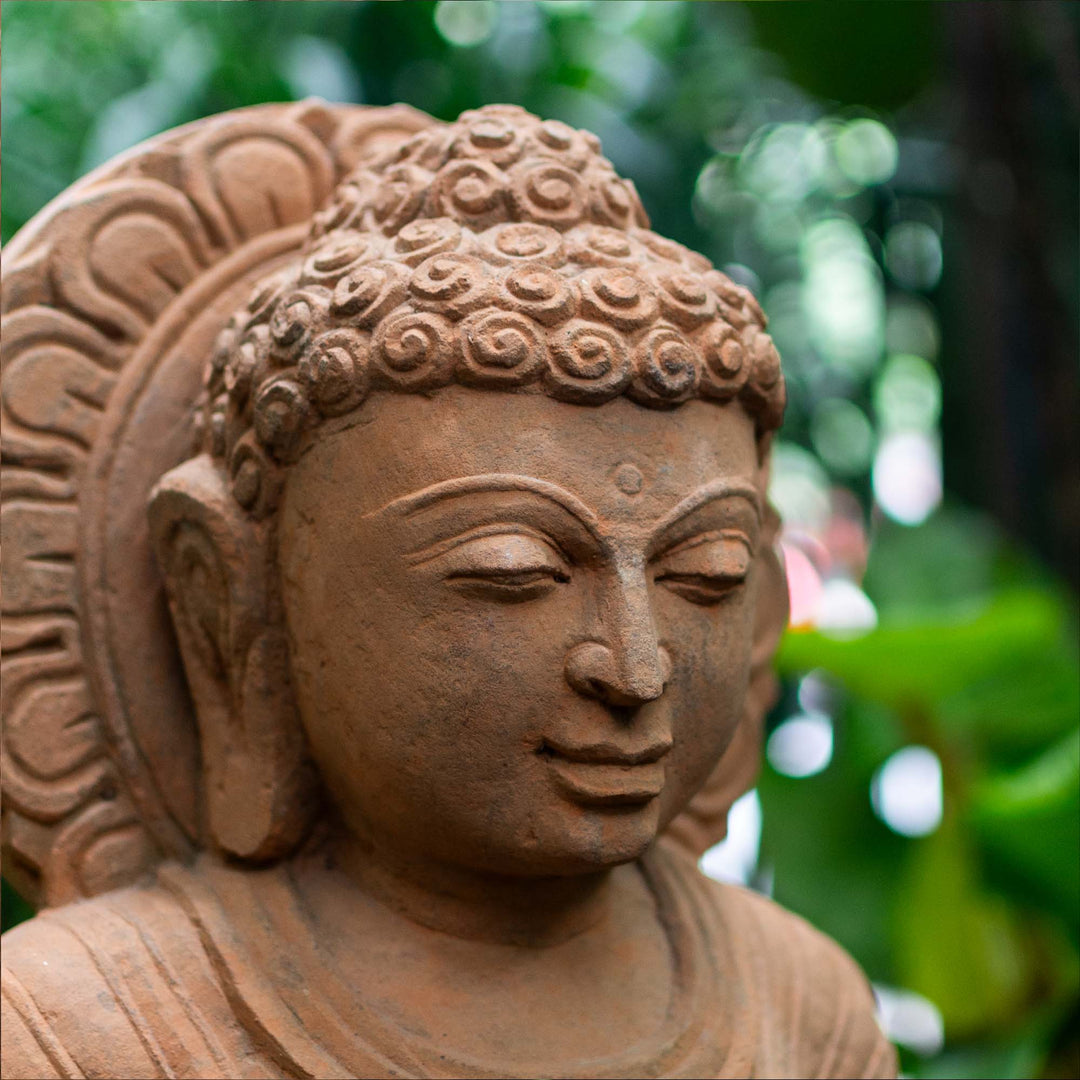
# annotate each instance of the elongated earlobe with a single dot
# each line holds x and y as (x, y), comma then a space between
(258, 783)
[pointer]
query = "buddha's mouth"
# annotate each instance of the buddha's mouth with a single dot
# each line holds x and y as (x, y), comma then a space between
(604, 774)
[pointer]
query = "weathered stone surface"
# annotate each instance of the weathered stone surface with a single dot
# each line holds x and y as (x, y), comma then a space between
(389, 597)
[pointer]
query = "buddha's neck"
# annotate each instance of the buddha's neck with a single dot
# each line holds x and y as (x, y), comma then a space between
(530, 911)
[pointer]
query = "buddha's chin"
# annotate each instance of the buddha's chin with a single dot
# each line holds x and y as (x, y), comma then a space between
(583, 839)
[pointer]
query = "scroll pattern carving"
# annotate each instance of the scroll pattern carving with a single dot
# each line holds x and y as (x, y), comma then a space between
(501, 251)
(474, 312)
(84, 285)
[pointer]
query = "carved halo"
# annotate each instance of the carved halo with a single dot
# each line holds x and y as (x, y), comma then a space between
(113, 297)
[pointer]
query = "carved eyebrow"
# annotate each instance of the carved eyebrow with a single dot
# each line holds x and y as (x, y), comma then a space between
(711, 492)
(468, 485)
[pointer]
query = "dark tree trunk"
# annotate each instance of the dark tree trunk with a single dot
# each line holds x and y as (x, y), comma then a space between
(1011, 366)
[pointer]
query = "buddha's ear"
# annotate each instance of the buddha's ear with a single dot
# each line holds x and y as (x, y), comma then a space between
(258, 781)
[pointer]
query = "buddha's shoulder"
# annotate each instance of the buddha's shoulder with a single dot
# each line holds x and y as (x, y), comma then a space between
(815, 1003)
(772, 937)
(118, 985)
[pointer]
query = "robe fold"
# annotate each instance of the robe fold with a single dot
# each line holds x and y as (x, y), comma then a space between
(212, 971)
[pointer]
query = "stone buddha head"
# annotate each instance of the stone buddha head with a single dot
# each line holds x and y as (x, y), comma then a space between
(362, 664)
(475, 557)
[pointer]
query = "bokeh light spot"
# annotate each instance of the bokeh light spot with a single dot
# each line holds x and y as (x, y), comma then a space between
(913, 255)
(735, 858)
(799, 488)
(320, 68)
(620, 14)
(842, 436)
(912, 327)
(743, 275)
(783, 163)
(817, 692)
(906, 792)
(802, 745)
(466, 22)
(866, 152)
(907, 395)
(843, 299)
(907, 476)
(565, 7)
(844, 610)
(778, 226)
(910, 1019)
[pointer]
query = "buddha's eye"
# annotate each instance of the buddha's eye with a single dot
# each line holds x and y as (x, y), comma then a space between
(506, 567)
(707, 569)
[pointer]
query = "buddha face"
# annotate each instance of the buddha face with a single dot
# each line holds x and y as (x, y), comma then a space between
(520, 629)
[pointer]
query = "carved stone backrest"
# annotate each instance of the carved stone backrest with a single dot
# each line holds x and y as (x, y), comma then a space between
(112, 297)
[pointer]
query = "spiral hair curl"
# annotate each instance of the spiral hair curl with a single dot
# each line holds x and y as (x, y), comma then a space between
(499, 252)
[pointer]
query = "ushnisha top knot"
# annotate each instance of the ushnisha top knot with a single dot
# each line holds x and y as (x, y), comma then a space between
(499, 252)
(494, 165)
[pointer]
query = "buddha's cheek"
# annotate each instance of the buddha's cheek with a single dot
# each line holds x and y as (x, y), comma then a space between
(426, 713)
(711, 648)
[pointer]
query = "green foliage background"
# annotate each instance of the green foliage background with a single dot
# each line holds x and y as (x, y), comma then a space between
(974, 654)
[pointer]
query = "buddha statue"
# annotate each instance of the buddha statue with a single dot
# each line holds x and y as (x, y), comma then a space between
(390, 593)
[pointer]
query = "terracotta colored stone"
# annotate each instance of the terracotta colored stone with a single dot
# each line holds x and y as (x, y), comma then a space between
(384, 743)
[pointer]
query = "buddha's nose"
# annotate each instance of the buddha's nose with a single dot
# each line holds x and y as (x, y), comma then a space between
(623, 664)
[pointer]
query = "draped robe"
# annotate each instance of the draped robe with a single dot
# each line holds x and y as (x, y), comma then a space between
(212, 971)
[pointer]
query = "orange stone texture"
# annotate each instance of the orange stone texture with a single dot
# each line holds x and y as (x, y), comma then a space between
(389, 598)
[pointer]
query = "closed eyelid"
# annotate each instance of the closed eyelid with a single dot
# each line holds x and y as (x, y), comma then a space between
(442, 547)
(713, 536)
(706, 568)
(711, 495)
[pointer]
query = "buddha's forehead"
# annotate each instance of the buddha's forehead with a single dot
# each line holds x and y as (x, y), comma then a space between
(621, 459)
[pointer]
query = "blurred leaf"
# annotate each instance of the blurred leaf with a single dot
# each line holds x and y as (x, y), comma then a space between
(833, 861)
(1025, 702)
(1030, 821)
(1016, 1058)
(905, 663)
(13, 908)
(955, 945)
(949, 559)
(872, 733)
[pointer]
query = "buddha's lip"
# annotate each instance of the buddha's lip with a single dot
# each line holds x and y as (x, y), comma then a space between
(605, 784)
(607, 753)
